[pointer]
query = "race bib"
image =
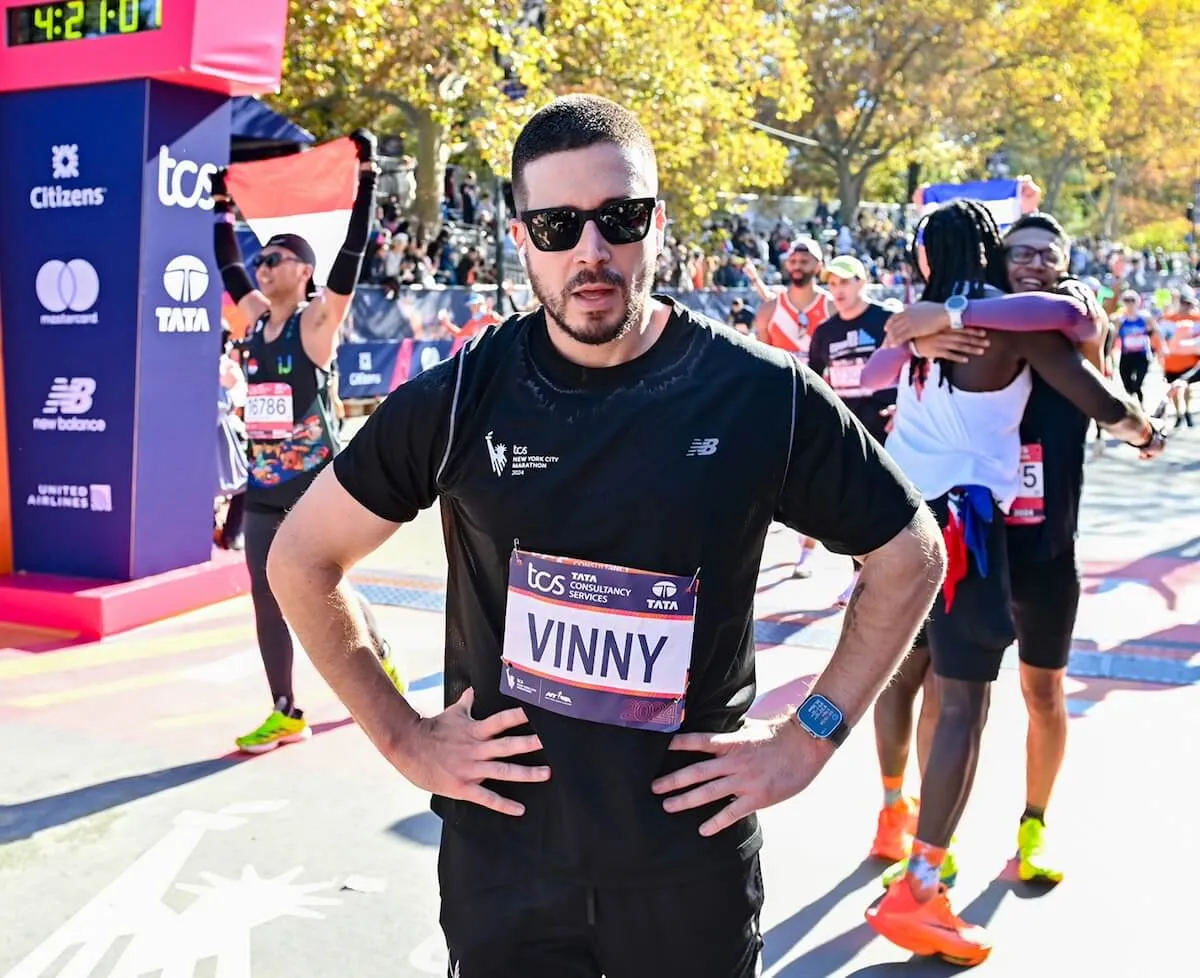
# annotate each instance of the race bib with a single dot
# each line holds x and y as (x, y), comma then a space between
(846, 375)
(1134, 343)
(598, 642)
(269, 412)
(1029, 508)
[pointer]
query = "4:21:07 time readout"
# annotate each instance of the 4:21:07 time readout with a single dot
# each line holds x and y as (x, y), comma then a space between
(77, 19)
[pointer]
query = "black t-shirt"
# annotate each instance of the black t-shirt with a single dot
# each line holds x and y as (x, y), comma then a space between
(840, 349)
(1060, 428)
(676, 461)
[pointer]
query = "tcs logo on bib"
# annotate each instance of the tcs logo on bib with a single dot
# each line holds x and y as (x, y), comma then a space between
(182, 183)
(545, 582)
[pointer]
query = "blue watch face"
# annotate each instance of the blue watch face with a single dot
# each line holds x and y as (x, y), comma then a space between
(820, 717)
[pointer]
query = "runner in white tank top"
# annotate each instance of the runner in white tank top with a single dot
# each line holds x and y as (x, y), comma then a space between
(945, 437)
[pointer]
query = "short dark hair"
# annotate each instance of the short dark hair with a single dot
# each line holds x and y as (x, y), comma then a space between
(574, 122)
(1042, 222)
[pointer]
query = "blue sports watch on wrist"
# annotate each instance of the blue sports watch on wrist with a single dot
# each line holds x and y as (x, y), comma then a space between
(823, 720)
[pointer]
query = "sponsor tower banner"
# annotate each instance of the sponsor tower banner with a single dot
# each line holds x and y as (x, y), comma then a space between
(111, 325)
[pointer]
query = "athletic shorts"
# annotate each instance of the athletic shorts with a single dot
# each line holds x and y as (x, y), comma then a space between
(1045, 600)
(1173, 375)
(503, 921)
(968, 642)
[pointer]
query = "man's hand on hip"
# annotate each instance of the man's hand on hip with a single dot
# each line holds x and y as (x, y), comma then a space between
(758, 765)
(451, 754)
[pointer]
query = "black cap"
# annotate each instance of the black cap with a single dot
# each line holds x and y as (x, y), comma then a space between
(296, 245)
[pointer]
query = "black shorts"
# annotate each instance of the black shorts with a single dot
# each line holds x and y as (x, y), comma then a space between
(1173, 375)
(503, 921)
(969, 641)
(1045, 601)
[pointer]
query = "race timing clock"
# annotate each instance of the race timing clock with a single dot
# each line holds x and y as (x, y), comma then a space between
(78, 20)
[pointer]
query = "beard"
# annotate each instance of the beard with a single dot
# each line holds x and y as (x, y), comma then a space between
(801, 279)
(596, 328)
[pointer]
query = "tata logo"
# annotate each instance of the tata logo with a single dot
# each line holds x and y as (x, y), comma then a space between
(67, 291)
(64, 165)
(182, 183)
(545, 582)
(185, 279)
(664, 593)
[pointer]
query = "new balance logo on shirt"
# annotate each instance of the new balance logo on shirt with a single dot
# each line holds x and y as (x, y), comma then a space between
(703, 446)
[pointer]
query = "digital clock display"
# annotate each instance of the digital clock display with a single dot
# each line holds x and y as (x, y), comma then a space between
(77, 20)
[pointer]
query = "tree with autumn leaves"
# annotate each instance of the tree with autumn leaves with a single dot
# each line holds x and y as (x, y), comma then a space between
(444, 70)
(1095, 93)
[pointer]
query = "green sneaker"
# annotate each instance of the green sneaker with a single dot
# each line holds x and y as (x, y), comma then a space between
(949, 874)
(278, 728)
(1030, 853)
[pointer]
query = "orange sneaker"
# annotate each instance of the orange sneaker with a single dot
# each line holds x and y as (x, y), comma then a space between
(928, 928)
(894, 831)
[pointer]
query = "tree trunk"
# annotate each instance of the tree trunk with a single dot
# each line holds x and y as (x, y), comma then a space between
(850, 188)
(433, 152)
(1058, 179)
(1112, 205)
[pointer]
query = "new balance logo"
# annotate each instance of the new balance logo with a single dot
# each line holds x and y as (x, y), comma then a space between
(703, 446)
(72, 396)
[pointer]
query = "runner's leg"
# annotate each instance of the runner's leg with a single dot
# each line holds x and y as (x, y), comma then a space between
(893, 733)
(1045, 603)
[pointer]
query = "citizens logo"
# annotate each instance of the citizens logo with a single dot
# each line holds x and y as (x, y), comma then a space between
(67, 291)
(185, 279)
(182, 183)
(64, 165)
(67, 400)
(365, 376)
(65, 162)
(95, 497)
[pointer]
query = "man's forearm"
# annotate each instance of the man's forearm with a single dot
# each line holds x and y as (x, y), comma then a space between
(895, 590)
(1033, 312)
(319, 605)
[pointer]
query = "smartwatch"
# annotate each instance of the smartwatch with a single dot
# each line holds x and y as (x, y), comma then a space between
(955, 306)
(823, 720)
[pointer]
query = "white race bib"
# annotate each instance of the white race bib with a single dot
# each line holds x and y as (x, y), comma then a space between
(598, 642)
(1029, 508)
(269, 412)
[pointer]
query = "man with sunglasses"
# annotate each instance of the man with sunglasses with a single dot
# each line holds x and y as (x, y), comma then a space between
(290, 363)
(607, 469)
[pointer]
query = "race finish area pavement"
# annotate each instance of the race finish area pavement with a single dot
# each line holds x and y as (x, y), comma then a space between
(133, 841)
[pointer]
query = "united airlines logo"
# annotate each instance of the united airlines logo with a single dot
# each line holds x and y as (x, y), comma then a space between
(498, 455)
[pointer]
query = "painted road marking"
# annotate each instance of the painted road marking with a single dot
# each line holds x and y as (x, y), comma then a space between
(126, 650)
(130, 913)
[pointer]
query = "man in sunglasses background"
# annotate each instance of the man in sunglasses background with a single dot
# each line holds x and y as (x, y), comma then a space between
(290, 415)
(607, 469)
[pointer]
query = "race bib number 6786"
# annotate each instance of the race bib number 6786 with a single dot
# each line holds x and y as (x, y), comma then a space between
(269, 411)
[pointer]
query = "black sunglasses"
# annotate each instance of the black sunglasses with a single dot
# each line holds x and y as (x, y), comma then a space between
(273, 260)
(620, 222)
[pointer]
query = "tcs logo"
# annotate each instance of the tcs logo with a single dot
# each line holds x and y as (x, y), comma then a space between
(546, 582)
(182, 183)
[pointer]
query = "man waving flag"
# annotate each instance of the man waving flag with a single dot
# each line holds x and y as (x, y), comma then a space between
(310, 194)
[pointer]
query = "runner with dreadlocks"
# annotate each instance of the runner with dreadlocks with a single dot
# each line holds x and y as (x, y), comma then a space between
(957, 437)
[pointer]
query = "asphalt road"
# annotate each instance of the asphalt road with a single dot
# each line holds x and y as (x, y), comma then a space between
(133, 842)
